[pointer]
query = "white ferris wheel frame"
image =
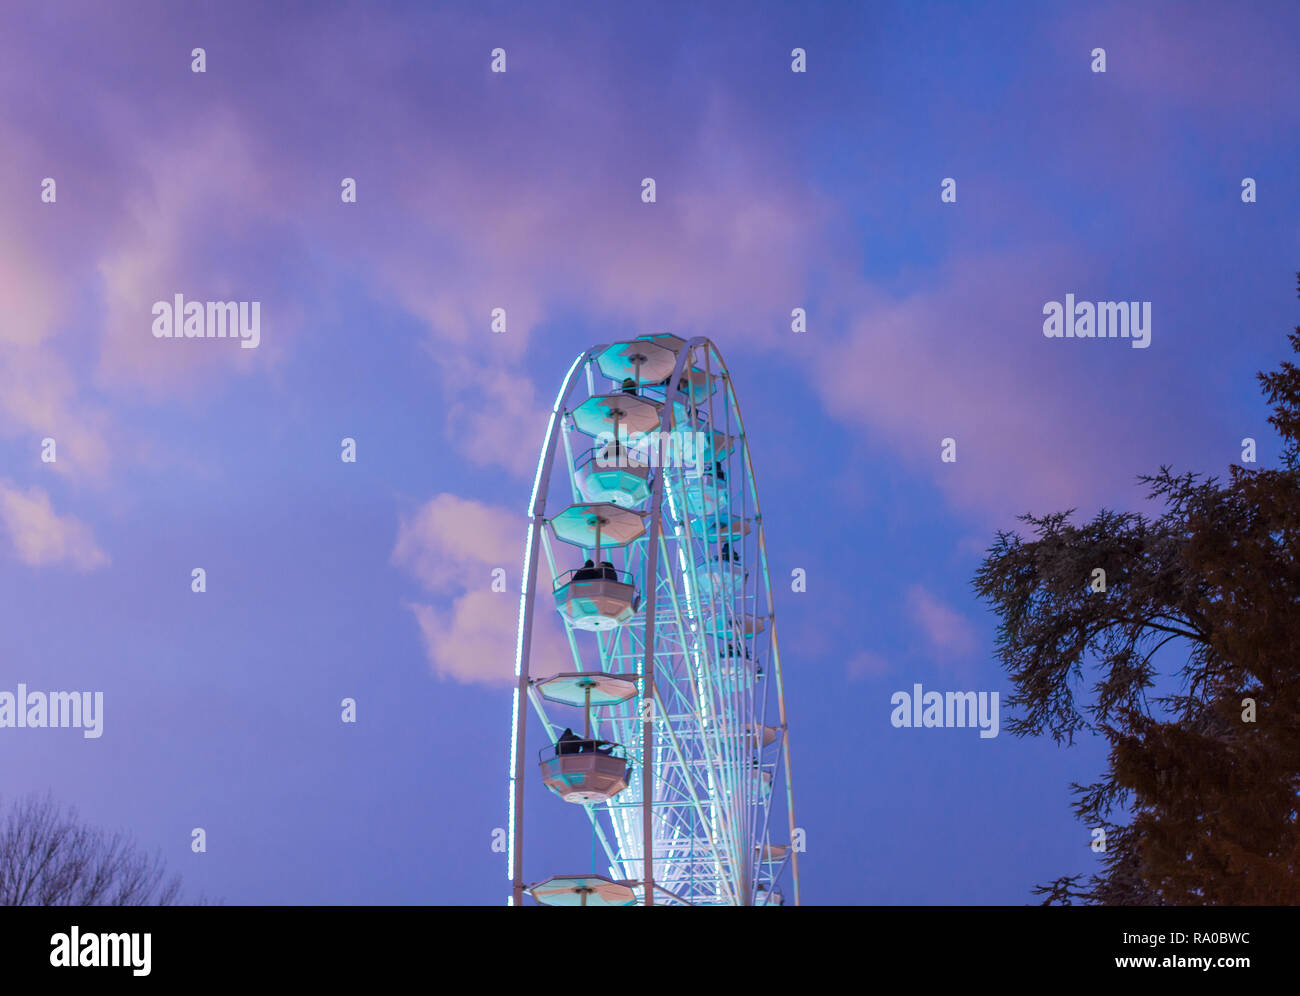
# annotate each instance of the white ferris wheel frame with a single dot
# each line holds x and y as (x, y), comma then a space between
(537, 542)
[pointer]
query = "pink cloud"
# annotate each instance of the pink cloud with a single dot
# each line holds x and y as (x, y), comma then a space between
(536, 214)
(41, 537)
(496, 416)
(190, 220)
(39, 400)
(947, 631)
(455, 543)
(452, 546)
(865, 665)
(1196, 54)
(40, 393)
(450, 223)
(966, 359)
(473, 642)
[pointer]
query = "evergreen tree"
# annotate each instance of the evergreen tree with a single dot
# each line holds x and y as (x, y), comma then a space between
(1199, 801)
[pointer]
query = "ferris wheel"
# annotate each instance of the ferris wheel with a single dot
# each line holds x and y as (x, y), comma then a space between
(665, 721)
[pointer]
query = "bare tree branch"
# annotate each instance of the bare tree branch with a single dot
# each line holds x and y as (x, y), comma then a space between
(48, 858)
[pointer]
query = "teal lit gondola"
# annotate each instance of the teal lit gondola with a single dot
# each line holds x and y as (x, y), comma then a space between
(613, 473)
(586, 770)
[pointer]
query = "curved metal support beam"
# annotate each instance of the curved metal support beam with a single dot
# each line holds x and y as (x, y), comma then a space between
(536, 511)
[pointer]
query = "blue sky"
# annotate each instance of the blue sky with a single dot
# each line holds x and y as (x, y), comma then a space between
(522, 190)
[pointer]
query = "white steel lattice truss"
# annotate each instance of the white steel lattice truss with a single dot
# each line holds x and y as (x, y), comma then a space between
(722, 812)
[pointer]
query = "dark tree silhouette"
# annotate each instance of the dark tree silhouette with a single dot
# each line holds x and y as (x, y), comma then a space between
(1199, 802)
(49, 858)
